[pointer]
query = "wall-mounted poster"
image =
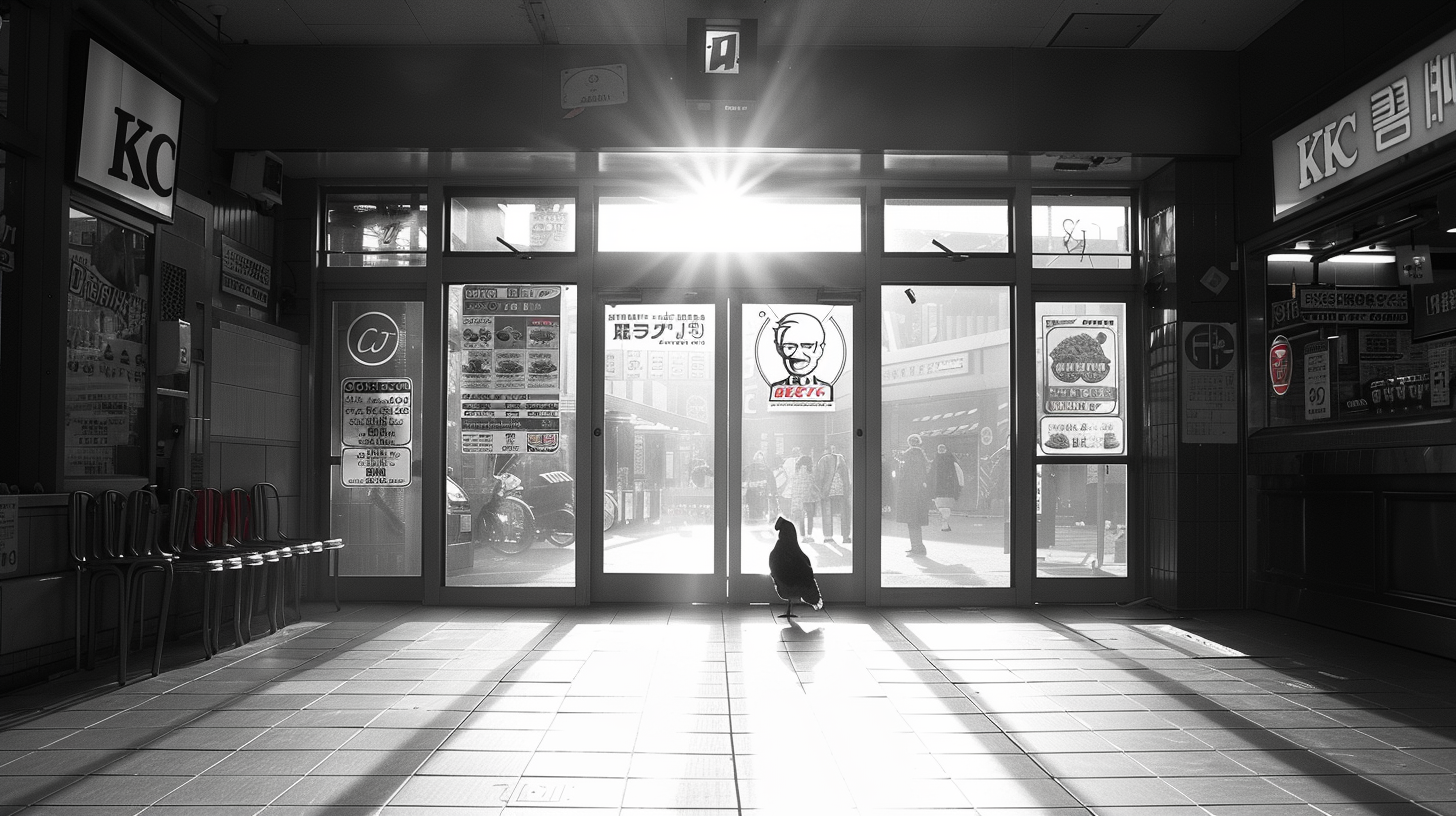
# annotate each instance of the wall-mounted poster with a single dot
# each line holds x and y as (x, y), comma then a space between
(1081, 399)
(1210, 382)
(800, 352)
(107, 318)
(511, 378)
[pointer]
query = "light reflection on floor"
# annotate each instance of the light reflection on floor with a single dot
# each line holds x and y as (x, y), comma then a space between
(1073, 711)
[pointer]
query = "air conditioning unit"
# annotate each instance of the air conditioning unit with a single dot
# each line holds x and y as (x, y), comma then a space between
(259, 175)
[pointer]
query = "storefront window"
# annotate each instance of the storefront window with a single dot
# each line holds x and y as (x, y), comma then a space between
(728, 223)
(959, 225)
(1350, 341)
(512, 223)
(108, 311)
(375, 229)
(945, 469)
(510, 436)
(1081, 231)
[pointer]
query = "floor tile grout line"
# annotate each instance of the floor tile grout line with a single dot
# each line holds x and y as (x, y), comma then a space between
(728, 701)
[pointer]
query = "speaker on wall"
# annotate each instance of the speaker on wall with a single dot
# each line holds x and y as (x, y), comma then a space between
(259, 175)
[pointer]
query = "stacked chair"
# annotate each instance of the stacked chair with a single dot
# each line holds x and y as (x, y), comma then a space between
(232, 528)
(115, 535)
(267, 520)
(187, 543)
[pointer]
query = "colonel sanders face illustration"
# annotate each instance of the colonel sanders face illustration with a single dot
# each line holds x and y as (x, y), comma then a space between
(799, 339)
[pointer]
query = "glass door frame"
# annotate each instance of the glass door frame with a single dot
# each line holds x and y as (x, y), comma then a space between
(729, 282)
(1082, 590)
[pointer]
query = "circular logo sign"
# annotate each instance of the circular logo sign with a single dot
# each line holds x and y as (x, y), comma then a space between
(373, 338)
(986, 437)
(1209, 346)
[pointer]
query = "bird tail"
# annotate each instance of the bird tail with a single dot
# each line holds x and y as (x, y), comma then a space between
(812, 596)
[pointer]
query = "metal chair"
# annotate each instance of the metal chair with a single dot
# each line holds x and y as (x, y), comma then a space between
(209, 533)
(116, 536)
(238, 534)
(179, 544)
(268, 515)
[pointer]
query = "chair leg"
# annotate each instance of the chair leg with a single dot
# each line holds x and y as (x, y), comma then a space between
(139, 592)
(123, 626)
(275, 583)
(162, 619)
(82, 584)
(206, 615)
(243, 616)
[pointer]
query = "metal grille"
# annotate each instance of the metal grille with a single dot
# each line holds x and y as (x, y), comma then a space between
(174, 292)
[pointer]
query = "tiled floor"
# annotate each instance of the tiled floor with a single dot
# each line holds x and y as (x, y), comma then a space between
(393, 709)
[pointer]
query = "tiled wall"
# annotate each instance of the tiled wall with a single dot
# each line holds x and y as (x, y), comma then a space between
(1193, 492)
(256, 414)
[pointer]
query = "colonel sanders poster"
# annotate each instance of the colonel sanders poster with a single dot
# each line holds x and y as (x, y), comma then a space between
(800, 353)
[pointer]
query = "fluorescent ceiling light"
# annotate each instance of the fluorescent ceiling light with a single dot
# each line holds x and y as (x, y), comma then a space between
(1365, 257)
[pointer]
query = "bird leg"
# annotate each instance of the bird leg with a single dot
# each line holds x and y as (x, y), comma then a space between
(789, 613)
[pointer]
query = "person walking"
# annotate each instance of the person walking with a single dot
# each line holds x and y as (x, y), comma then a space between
(948, 480)
(912, 499)
(803, 494)
(832, 474)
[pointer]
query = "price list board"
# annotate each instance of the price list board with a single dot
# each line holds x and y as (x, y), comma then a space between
(375, 429)
(511, 375)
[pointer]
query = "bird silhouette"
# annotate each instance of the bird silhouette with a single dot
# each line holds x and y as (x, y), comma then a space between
(793, 576)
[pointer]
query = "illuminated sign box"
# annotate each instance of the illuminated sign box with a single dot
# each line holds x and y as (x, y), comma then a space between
(130, 127)
(723, 73)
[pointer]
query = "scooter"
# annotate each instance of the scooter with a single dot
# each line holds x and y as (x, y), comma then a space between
(516, 514)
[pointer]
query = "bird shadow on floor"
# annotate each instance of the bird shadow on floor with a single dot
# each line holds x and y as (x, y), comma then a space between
(803, 659)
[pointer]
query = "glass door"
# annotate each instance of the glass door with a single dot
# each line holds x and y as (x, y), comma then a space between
(662, 449)
(721, 411)
(1086, 432)
(796, 439)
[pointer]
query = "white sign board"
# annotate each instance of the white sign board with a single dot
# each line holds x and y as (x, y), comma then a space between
(1210, 383)
(1404, 108)
(9, 534)
(375, 467)
(130, 126)
(376, 411)
(1317, 381)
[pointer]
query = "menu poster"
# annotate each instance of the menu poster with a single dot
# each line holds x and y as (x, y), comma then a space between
(1317, 396)
(9, 534)
(1082, 364)
(1439, 359)
(511, 374)
(107, 314)
(376, 411)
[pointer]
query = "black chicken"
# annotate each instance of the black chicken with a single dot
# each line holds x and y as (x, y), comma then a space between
(792, 575)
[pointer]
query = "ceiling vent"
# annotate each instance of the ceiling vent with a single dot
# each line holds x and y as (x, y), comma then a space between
(1079, 162)
(1101, 30)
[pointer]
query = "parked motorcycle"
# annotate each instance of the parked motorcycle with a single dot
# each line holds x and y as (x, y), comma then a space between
(516, 513)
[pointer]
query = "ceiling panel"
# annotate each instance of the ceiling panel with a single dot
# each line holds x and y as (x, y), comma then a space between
(367, 34)
(342, 12)
(1224, 25)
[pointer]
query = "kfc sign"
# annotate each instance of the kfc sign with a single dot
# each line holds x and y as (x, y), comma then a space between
(129, 131)
(800, 353)
(1400, 111)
